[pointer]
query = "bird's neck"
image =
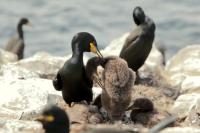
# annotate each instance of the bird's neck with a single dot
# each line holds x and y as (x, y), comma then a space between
(20, 31)
(77, 57)
(77, 54)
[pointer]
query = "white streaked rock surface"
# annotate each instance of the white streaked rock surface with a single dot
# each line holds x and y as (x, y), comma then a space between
(11, 70)
(181, 130)
(25, 96)
(184, 68)
(43, 64)
(187, 107)
(191, 84)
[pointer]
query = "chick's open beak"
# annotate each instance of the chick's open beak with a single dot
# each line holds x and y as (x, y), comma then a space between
(94, 49)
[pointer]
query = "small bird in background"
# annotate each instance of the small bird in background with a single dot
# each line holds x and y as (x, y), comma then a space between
(139, 43)
(16, 44)
(54, 120)
(72, 79)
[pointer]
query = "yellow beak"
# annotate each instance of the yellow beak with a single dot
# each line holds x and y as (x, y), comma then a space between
(48, 118)
(29, 24)
(94, 49)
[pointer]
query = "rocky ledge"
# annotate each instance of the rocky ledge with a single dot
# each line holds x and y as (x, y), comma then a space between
(26, 88)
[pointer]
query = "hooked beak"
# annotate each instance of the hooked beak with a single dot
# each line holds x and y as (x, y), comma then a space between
(29, 24)
(95, 50)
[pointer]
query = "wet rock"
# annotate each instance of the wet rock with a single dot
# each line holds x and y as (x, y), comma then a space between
(23, 99)
(184, 69)
(6, 57)
(19, 126)
(181, 130)
(187, 108)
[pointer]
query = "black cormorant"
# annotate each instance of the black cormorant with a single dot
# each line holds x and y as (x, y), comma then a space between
(72, 79)
(54, 120)
(16, 44)
(139, 43)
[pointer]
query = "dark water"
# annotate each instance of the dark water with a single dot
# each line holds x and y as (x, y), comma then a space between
(56, 21)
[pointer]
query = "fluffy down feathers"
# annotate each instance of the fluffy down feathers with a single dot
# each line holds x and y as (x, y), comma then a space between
(118, 80)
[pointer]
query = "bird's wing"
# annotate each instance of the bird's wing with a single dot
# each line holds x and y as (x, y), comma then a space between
(87, 80)
(57, 81)
(11, 43)
(133, 37)
(19, 49)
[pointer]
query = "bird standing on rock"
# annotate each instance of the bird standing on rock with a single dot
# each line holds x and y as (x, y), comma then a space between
(139, 43)
(54, 120)
(16, 44)
(71, 79)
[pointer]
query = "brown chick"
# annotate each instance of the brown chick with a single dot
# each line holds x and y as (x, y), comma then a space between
(118, 80)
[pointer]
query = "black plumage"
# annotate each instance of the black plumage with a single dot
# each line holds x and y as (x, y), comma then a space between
(54, 120)
(16, 44)
(71, 79)
(139, 43)
(142, 105)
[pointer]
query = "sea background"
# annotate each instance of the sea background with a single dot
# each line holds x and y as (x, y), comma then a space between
(56, 21)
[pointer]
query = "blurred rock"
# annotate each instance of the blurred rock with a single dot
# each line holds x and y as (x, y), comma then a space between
(160, 101)
(19, 126)
(154, 60)
(6, 57)
(13, 71)
(115, 46)
(191, 84)
(107, 128)
(187, 108)
(81, 113)
(184, 69)
(22, 99)
(153, 66)
(43, 64)
(181, 130)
